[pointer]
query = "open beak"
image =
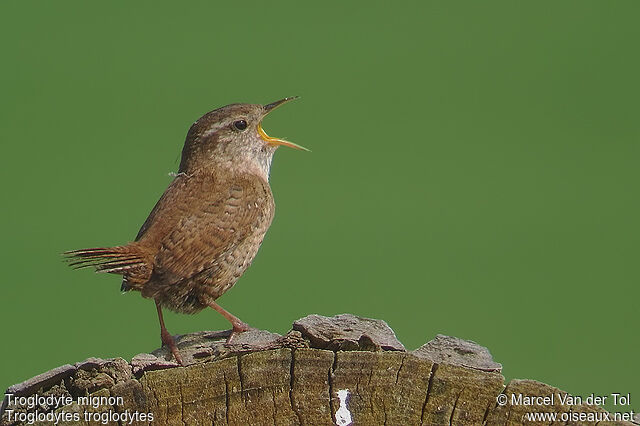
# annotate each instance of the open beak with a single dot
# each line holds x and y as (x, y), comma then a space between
(275, 141)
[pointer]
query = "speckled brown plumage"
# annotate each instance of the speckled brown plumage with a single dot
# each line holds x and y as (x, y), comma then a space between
(210, 246)
(208, 225)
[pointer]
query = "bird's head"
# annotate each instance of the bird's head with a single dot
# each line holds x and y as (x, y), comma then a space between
(232, 136)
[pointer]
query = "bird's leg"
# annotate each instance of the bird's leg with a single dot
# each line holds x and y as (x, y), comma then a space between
(167, 338)
(236, 323)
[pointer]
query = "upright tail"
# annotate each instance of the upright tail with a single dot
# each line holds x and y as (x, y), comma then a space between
(115, 260)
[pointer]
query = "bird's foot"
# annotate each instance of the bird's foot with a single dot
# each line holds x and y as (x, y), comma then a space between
(238, 327)
(167, 339)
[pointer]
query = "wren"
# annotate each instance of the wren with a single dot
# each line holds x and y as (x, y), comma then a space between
(207, 227)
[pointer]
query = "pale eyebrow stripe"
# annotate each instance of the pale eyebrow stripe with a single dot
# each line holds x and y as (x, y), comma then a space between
(214, 129)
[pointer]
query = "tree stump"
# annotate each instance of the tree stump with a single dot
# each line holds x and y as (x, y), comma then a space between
(326, 371)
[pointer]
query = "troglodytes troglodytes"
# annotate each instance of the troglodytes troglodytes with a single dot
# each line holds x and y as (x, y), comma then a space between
(208, 225)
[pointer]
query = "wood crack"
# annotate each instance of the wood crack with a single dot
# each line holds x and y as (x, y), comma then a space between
(400, 368)
(432, 373)
(491, 406)
(275, 407)
(486, 413)
(291, 394)
(227, 397)
(453, 410)
(239, 366)
(115, 409)
(182, 403)
(332, 369)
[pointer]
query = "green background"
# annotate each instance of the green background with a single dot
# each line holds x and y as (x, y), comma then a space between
(474, 172)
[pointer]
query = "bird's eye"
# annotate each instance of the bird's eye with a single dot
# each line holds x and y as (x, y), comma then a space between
(240, 125)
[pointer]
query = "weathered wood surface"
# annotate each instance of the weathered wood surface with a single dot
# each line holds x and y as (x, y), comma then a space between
(300, 378)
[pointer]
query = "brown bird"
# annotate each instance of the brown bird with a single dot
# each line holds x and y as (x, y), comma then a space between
(208, 225)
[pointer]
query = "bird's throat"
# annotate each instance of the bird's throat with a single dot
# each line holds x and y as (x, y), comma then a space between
(259, 165)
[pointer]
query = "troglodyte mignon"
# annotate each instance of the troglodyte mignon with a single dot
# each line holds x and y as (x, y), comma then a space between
(208, 225)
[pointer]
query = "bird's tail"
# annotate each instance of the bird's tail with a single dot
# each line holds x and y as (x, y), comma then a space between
(115, 260)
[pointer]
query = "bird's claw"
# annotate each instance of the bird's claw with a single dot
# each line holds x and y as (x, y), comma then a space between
(238, 327)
